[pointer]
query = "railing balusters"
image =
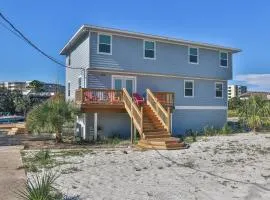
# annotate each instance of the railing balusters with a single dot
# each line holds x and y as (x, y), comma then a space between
(159, 109)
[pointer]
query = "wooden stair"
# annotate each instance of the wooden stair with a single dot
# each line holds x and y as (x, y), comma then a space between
(155, 136)
(152, 121)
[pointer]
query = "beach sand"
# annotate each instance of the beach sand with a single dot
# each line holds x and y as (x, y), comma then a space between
(219, 167)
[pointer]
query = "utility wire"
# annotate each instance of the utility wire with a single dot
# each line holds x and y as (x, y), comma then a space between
(9, 29)
(19, 34)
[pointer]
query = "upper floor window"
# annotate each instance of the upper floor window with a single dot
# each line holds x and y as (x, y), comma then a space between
(80, 82)
(189, 88)
(68, 88)
(149, 49)
(223, 59)
(219, 90)
(105, 44)
(193, 54)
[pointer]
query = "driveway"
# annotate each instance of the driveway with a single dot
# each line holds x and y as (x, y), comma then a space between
(11, 178)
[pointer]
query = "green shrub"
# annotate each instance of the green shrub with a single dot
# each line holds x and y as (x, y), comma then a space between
(232, 113)
(40, 188)
(50, 116)
(254, 112)
(210, 131)
(226, 129)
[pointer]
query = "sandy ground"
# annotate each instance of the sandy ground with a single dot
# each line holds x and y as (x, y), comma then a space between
(221, 167)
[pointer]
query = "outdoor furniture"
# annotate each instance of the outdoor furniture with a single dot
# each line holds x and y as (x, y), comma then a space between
(90, 97)
(138, 99)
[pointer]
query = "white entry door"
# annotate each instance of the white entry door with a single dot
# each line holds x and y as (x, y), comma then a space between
(128, 82)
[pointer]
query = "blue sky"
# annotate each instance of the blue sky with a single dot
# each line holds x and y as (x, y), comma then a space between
(237, 23)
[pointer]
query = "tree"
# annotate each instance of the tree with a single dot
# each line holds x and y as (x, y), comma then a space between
(36, 86)
(22, 104)
(50, 116)
(235, 103)
(254, 112)
(6, 101)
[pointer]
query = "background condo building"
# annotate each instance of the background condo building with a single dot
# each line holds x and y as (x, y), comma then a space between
(236, 90)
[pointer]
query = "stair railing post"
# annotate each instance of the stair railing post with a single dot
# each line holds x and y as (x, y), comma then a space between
(142, 119)
(131, 131)
(169, 119)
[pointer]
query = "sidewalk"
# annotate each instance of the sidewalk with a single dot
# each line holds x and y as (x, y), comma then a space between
(11, 178)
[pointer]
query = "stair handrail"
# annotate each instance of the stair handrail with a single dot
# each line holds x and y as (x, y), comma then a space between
(162, 114)
(134, 112)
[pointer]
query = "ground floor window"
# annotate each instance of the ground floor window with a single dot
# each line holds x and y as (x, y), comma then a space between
(219, 90)
(189, 88)
(68, 89)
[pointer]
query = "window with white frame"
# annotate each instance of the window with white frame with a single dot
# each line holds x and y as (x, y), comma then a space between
(149, 49)
(223, 59)
(80, 82)
(68, 88)
(104, 44)
(189, 88)
(219, 90)
(193, 55)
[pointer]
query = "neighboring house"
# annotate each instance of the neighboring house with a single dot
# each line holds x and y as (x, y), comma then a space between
(188, 77)
(236, 90)
(265, 95)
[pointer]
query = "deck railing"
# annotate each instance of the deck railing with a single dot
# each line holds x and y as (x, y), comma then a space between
(98, 96)
(165, 98)
(163, 115)
(135, 113)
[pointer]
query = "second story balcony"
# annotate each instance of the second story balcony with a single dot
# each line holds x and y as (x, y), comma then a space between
(110, 100)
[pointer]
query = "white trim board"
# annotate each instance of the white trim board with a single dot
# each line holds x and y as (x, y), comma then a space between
(117, 71)
(201, 107)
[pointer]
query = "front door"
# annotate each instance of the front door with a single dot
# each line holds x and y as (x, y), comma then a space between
(120, 82)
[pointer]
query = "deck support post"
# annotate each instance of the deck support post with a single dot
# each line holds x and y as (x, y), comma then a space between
(95, 126)
(135, 134)
(131, 131)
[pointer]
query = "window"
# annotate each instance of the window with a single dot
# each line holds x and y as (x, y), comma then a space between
(219, 90)
(193, 55)
(80, 82)
(105, 44)
(68, 89)
(189, 88)
(223, 59)
(120, 82)
(149, 49)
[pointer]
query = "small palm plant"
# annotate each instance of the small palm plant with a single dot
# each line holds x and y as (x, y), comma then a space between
(50, 116)
(40, 188)
(254, 112)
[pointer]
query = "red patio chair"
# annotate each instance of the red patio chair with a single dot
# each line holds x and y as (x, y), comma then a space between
(138, 99)
(89, 97)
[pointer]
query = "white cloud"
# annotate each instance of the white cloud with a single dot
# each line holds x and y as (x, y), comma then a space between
(255, 82)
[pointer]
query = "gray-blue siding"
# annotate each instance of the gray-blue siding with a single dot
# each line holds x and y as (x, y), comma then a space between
(127, 54)
(204, 90)
(183, 119)
(79, 57)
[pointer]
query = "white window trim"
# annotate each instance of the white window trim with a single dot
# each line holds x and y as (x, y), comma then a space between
(192, 88)
(221, 91)
(198, 53)
(155, 49)
(68, 89)
(100, 33)
(227, 59)
(125, 77)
